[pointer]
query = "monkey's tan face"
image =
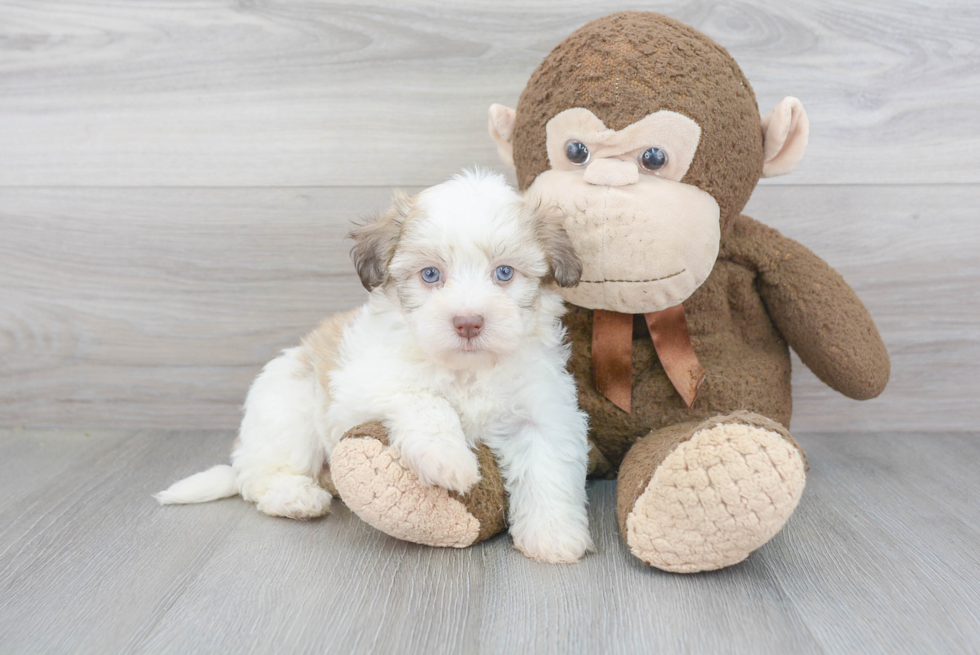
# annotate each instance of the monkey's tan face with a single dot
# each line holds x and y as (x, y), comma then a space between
(646, 240)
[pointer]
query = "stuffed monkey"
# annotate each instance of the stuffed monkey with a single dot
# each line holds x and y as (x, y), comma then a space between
(647, 136)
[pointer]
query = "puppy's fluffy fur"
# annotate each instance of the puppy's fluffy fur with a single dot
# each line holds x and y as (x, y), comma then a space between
(404, 359)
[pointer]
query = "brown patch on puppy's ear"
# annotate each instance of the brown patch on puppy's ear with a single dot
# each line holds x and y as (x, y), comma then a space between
(566, 268)
(375, 242)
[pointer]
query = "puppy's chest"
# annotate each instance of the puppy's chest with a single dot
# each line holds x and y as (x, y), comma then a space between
(479, 402)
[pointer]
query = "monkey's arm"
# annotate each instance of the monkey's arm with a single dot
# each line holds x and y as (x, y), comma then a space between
(814, 308)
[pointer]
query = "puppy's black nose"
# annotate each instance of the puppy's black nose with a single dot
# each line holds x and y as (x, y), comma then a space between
(468, 326)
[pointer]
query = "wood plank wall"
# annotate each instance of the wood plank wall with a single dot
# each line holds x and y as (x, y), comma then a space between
(176, 179)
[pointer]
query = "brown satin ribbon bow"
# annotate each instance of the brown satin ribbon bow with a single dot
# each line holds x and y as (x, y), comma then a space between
(612, 353)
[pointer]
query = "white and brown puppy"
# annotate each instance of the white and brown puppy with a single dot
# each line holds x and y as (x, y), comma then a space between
(460, 342)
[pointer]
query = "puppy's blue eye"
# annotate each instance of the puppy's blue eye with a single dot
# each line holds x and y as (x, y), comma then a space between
(503, 274)
(431, 275)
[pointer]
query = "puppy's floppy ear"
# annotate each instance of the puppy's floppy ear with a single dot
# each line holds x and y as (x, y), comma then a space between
(566, 268)
(375, 242)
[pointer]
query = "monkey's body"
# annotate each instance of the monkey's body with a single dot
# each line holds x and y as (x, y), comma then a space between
(731, 318)
(757, 379)
(700, 486)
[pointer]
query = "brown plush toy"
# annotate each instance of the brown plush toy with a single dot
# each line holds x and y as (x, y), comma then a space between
(647, 136)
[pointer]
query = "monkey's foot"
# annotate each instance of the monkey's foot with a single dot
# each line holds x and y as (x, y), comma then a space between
(383, 492)
(715, 497)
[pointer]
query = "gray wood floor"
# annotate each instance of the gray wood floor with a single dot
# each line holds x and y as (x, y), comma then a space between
(881, 557)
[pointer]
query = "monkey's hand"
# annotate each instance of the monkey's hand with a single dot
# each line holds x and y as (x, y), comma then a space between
(374, 483)
(816, 311)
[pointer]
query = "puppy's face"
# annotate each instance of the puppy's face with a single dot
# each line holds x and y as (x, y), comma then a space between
(466, 261)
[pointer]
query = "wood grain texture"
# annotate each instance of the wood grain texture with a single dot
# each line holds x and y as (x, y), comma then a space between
(157, 307)
(880, 557)
(343, 93)
(89, 549)
(118, 305)
(876, 506)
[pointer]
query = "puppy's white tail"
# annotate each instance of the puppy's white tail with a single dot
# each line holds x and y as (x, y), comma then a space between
(217, 482)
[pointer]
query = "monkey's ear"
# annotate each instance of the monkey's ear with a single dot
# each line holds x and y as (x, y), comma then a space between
(375, 242)
(566, 267)
(787, 130)
(502, 120)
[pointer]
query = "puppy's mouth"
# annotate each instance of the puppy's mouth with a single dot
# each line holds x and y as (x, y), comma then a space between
(470, 345)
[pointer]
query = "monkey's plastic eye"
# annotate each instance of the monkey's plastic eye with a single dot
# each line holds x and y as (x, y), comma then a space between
(653, 159)
(431, 275)
(503, 274)
(576, 152)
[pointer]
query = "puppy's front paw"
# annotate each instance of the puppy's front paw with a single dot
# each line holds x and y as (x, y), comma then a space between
(452, 467)
(554, 545)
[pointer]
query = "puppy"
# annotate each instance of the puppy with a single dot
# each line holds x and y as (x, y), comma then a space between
(460, 342)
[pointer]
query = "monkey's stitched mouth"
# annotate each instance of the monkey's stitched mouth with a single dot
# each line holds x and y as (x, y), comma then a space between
(655, 279)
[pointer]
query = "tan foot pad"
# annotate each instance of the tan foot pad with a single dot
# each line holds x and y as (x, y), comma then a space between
(716, 498)
(386, 495)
